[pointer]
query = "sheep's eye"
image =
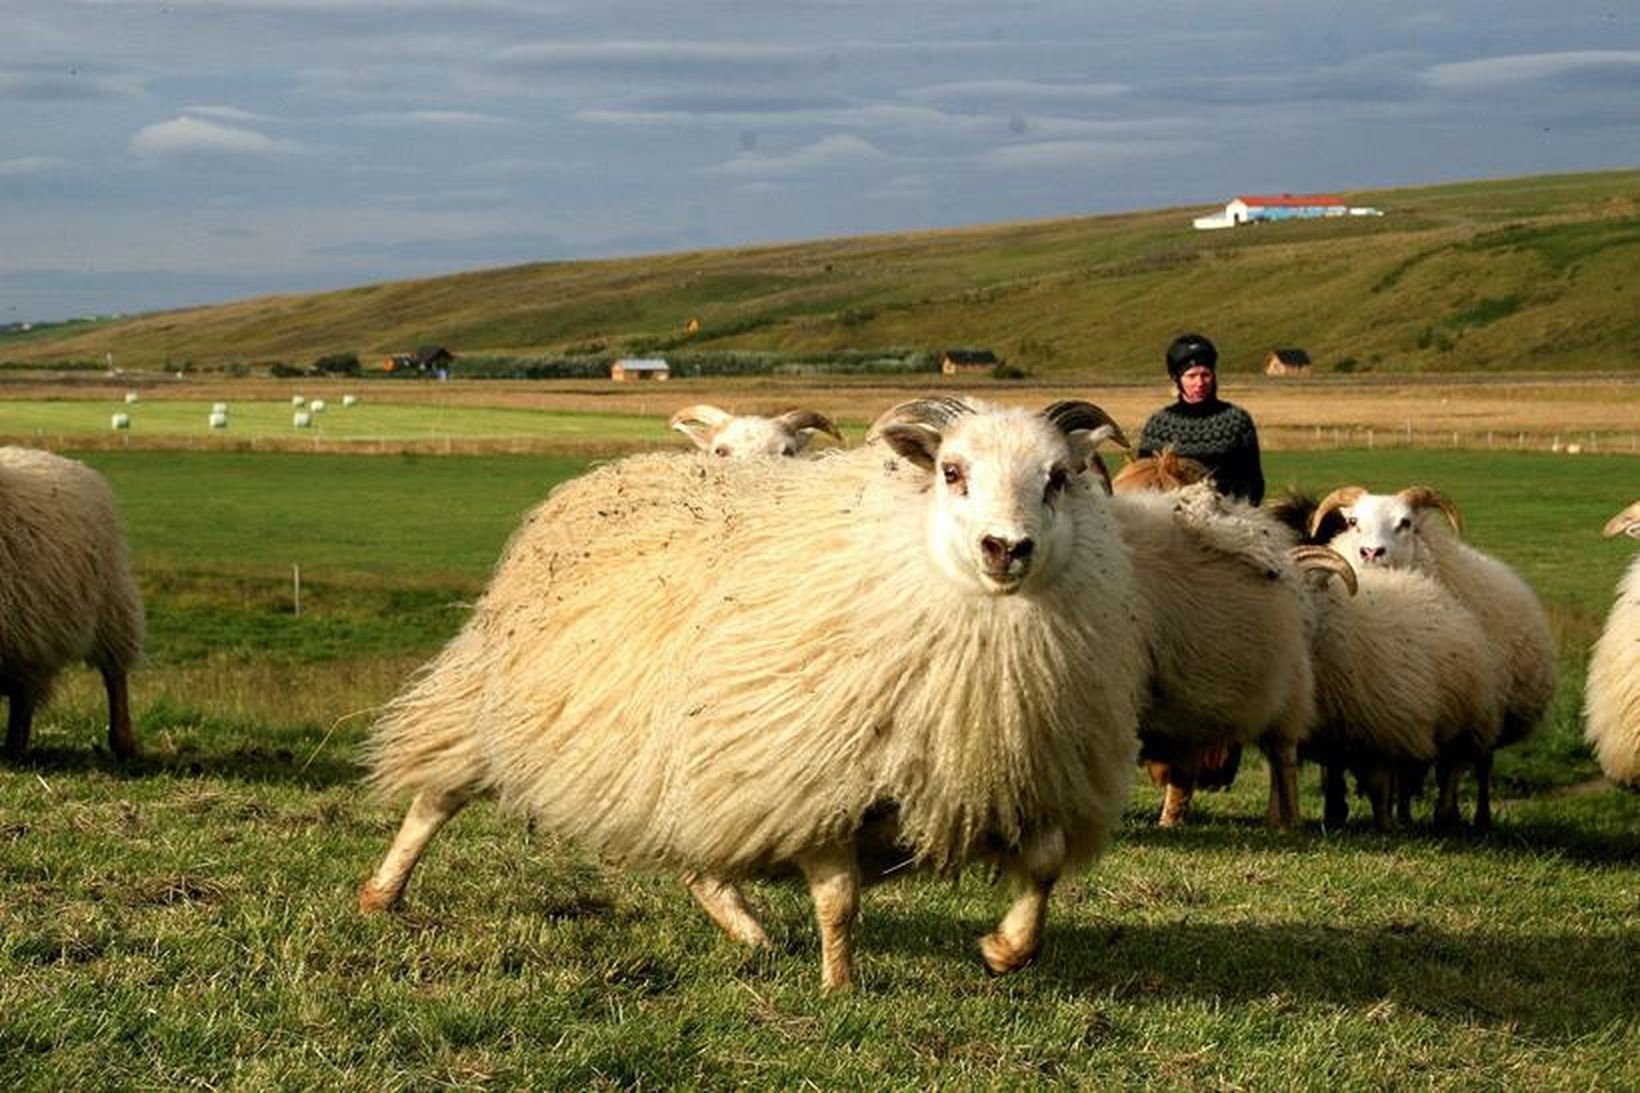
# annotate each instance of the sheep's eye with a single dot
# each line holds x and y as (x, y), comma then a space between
(952, 473)
(1056, 482)
(1350, 520)
(788, 450)
(1403, 524)
(721, 449)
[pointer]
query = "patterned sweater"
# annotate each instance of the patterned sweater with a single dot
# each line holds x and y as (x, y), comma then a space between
(1218, 434)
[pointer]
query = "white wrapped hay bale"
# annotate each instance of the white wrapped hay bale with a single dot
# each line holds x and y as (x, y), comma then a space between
(301, 419)
(120, 421)
(349, 400)
(130, 398)
(317, 406)
(297, 400)
(218, 419)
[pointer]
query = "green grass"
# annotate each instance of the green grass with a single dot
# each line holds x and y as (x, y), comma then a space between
(368, 420)
(190, 920)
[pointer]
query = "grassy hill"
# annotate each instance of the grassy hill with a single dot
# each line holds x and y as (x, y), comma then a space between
(1538, 273)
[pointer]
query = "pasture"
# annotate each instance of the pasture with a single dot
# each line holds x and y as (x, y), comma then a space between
(190, 920)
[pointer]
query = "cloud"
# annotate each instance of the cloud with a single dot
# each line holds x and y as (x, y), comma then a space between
(227, 113)
(827, 153)
(1529, 67)
(656, 56)
(1011, 94)
(433, 117)
(67, 85)
(28, 165)
(188, 135)
(1053, 155)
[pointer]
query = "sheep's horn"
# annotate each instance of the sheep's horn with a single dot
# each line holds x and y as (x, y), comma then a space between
(1342, 497)
(1073, 415)
(933, 413)
(1326, 561)
(798, 420)
(702, 412)
(1422, 497)
(1626, 522)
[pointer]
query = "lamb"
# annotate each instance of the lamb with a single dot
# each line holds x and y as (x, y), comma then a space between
(849, 665)
(1612, 690)
(722, 433)
(66, 591)
(1399, 531)
(1211, 572)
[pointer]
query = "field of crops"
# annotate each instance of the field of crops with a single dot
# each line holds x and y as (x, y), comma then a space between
(190, 920)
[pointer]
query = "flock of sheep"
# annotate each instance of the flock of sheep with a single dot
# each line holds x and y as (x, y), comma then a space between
(951, 643)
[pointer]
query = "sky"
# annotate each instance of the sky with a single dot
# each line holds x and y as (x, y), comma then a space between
(167, 153)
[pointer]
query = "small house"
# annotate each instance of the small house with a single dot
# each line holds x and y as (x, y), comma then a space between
(1287, 362)
(635, 369)
(958, 361)
(429, 360)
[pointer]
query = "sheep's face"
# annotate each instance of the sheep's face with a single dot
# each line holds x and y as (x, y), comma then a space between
(997, 519)
(751, 436)
(1381, 530)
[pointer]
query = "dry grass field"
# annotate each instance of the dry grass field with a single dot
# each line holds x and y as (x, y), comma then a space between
(1598, 412)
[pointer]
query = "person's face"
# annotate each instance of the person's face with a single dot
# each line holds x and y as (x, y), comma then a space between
(1196, 383)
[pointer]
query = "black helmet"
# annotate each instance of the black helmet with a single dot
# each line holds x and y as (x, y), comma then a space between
(1190, 349)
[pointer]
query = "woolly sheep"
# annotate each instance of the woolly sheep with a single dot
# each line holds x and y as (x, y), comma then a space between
(722, 433)
(1212, 572)
(66, 591)
(914, 660)
(1400, 531)
(1612, 690)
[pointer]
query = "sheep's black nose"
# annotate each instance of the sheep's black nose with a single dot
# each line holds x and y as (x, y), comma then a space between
(1000, 553)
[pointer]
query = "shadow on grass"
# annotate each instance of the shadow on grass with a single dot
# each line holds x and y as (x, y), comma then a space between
(1605, 831)
(254, 764)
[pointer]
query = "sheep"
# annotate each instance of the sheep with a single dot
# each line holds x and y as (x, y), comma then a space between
(1213, 573)
(728, 667)
(1166, 470)
(66, 591)
(1612, 691)
(722, 433)
(1399, 531)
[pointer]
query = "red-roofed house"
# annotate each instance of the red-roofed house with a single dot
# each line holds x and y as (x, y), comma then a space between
(1257, 208)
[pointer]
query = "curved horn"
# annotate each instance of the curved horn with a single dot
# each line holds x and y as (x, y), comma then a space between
(1423, 497)
(932, 413)
(694, 421)
(1626, 522)
(1325, 561)
(1074, 415)
(798, 420)
(1341, 498)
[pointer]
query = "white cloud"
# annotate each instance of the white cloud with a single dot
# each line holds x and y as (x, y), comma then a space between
(185, 135)
(840, 150)
(647, 53)
(28, 165)
(226, 113)
(998, 92)
(433, 117)
(1523, 67)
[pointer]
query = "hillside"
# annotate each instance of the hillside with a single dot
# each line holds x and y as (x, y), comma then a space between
(1534, 274)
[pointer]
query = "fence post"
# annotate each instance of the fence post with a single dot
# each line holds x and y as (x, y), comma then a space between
(296, 588)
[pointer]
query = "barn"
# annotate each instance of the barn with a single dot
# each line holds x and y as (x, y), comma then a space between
(957, 361)
(1287, 362)
(635, 369)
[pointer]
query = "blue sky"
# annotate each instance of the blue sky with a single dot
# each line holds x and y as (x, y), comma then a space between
(161, 153)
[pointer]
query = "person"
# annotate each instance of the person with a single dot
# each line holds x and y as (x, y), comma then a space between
(1202, 426)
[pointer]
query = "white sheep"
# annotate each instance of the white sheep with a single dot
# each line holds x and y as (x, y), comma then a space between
(66, 591)
(722, 433)
(724, 667)
(1612, 691)
(1401, 531)
(1223, 613)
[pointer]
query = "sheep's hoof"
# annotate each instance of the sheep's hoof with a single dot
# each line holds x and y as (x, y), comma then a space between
(372, 900)
(1000, 956)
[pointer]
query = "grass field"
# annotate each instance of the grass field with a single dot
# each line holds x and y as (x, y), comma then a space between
(190, 920)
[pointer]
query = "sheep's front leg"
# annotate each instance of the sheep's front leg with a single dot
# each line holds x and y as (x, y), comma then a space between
(428, 812)
(1447, 776)
(1335, 791)
(1181, 787)
(19, 723)
(1483, 792)
(834, 885)
(725, 904)
(1018, 937)
(120, 738)
(1379, 782)
(1282, 813)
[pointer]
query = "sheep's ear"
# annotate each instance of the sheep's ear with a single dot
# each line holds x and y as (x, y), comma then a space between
(914, 443)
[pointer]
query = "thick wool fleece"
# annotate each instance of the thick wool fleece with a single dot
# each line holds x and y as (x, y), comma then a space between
(1612, 694)
(717, 665)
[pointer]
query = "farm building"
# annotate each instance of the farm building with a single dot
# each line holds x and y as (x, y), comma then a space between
(1261, 208)
(957, 361)
(1287, 362)
(429, 360)
(634, 369)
